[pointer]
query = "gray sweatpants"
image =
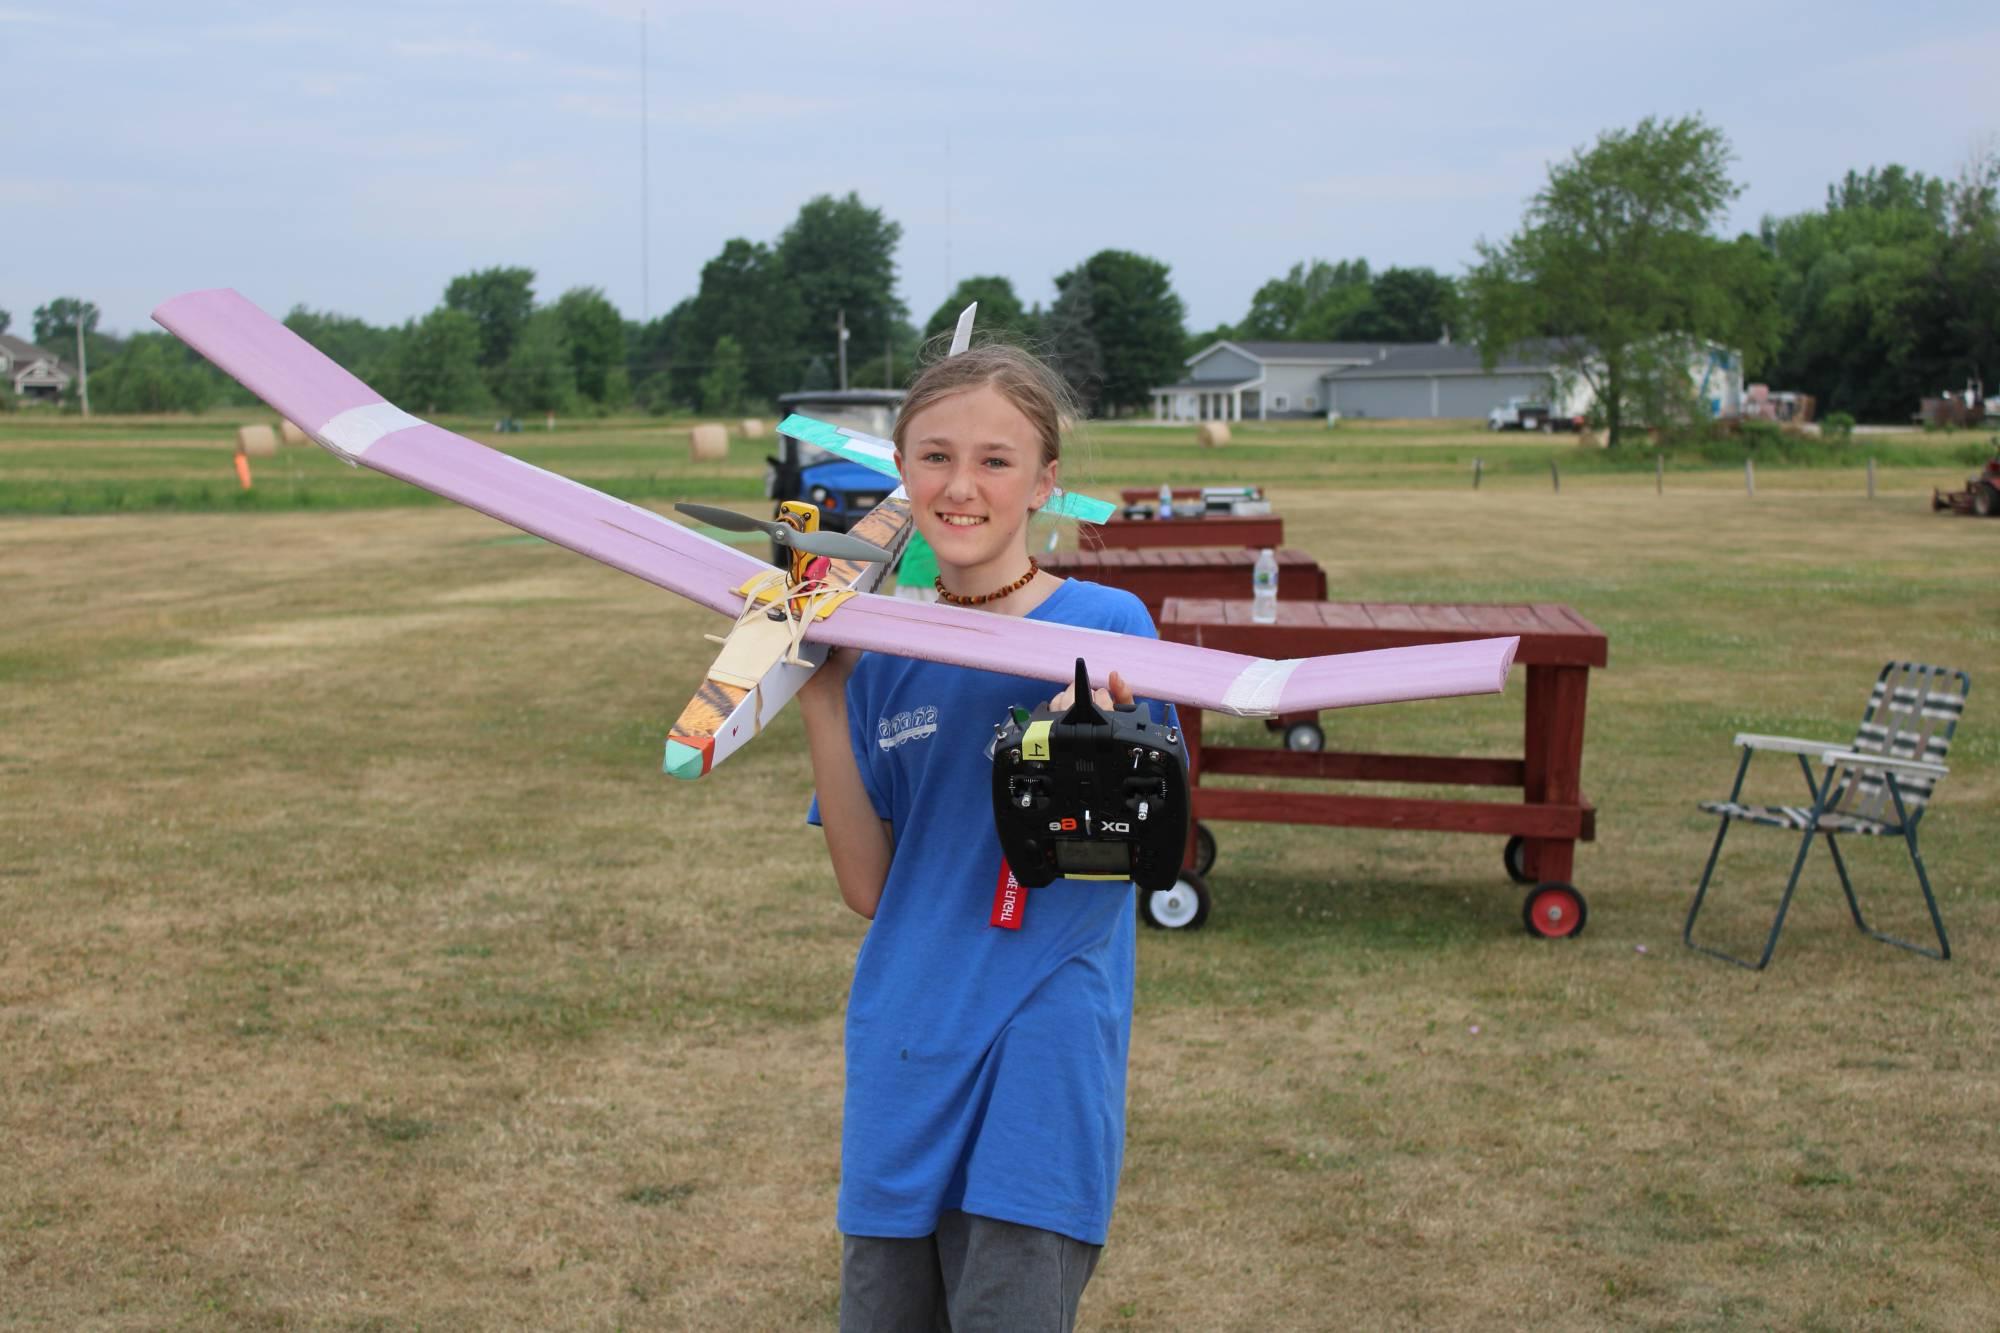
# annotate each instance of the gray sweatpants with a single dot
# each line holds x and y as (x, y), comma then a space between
(972, 1275)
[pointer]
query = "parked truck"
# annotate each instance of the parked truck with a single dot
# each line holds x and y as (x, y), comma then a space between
(1530, 414)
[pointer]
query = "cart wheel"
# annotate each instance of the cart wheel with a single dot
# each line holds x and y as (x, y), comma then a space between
(1985, 500)
(1515, 858)
(1305, 737)
(1183, 907)
(1554, 911)
(1204, 848)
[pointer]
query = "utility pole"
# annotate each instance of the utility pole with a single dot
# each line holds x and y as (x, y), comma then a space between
(82, 365)
(645, 192)
(840, 326)
(947, 214)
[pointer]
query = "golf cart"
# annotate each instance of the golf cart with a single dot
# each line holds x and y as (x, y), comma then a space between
(843, 491)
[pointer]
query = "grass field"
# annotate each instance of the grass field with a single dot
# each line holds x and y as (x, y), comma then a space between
(359, 969)
(178, 464)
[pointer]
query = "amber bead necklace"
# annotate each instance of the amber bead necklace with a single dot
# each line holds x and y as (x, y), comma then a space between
(948, 596)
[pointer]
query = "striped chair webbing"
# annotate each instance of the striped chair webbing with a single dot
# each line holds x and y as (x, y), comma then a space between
(1798, 817)
(1912, 712)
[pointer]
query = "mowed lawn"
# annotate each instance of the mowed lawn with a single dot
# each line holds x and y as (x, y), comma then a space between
(359, 968)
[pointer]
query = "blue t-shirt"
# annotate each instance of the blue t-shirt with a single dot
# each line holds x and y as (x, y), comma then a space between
(985, 1066)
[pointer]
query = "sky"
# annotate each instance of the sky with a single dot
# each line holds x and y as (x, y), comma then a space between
(355, 157)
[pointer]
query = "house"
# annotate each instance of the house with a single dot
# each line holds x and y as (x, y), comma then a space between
(1235, 381)
(31, 374)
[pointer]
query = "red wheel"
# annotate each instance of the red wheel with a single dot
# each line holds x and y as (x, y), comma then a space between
(1554, 911)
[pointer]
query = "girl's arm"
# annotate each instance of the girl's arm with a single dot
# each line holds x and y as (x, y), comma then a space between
(857, 841)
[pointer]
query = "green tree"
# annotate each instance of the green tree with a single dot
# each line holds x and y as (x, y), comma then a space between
(1071, 338)
(539, 374)
(6, 318)
(650, 358)
(1616, 259)
(1405, 305)
(1136, 320)
(839, 256)
(434, 366)
(890, 367)
(1000, 310)
(1971, 271)
(499, 300)
(1310, 302)
(55, 324)
(1891, 291)
(722, 385)
(595, 332)
(153, 373)
(745, 296)
(1207, 338)
(355, 344)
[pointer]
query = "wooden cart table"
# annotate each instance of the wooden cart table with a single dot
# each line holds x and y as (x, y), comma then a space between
(1157, 573)
(1251, 530)
(1136, 494)
(1558, 649)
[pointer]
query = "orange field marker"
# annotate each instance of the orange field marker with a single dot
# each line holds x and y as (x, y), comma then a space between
(243, 468)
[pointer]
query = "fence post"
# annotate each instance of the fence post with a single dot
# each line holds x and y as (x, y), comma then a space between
(1555, 477)
(1871, 478)
(1750, 476)
(1659, 474)
(1476, 465)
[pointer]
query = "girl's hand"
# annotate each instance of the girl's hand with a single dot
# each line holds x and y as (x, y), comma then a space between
(1119, 695)
(829, 683)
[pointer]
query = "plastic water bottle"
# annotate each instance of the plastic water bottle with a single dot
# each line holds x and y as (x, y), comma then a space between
(1166, 509)
(1264, 588)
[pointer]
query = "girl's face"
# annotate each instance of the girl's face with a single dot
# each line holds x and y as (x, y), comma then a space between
(972, 465)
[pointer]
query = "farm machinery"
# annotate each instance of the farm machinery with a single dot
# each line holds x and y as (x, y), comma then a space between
(1981, 495)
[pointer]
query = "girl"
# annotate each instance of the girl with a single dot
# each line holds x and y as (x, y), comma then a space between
(985, 1110)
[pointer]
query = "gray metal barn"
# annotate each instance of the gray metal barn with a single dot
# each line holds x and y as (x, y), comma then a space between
(1440, 380)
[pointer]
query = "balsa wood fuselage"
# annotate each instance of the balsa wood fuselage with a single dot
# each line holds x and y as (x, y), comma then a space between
(763, 661)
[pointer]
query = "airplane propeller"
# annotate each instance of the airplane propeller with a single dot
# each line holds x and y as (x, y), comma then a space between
(833, 545)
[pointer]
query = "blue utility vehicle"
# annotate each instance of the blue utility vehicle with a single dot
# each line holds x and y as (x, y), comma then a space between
(843, 491)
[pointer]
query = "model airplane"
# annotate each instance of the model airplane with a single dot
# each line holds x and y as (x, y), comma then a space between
(787, 619)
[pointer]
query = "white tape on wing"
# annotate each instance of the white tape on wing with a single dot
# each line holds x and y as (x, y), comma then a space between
(353, 431)
(1255, 692)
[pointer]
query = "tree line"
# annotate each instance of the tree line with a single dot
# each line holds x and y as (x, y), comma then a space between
(1888, 293)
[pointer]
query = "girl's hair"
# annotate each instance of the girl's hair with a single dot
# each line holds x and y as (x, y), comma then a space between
(1023, 378)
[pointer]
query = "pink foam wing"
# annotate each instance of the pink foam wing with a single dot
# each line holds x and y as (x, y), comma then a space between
(1186, 674)
(355, 422)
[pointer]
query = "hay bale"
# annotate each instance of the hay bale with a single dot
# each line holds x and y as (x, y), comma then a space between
(750, 428)
(256, 441)
(289, 433)
(1212, 434)
(708, 442)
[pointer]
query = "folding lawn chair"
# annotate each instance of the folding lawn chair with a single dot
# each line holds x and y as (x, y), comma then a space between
(1878, 786)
